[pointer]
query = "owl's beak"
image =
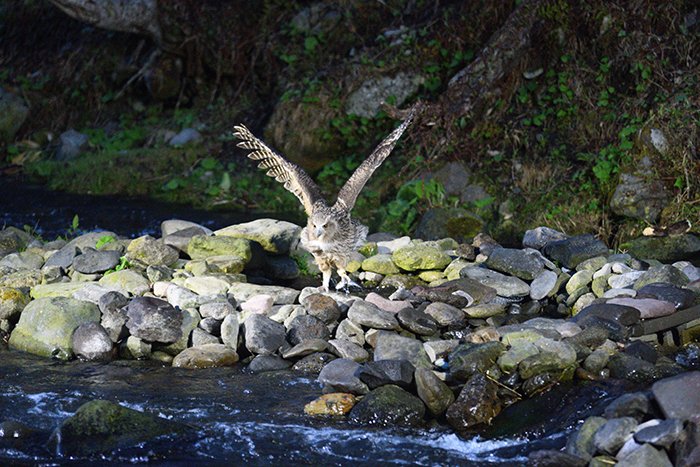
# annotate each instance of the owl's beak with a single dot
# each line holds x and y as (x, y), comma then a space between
(319, 231)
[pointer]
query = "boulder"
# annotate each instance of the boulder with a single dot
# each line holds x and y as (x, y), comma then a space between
(470, 359)
(420, 256)
(679, 297)
(340, 375)
(91, 342)
(46, 326)
(645, 456)
(306, 327)
(151, 252)
(366, 314)
(477, 404)
(639, 198)
(263, 363)
(515, 262)
(539, 237)
(391, 346)
(100, 427)
(262, 335)
(678, 396)
(612, 435)
(275, 236)
(456, 223)
(434, 393)
(381, 264)
(126, 281)
(12, 302)
(382, 372)
(203, 246)
(389, 406)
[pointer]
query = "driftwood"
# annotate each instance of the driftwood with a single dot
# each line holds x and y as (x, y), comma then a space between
(474, 88)
(134, 16)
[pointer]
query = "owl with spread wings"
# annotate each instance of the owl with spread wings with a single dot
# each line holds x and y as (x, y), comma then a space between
(331, 235)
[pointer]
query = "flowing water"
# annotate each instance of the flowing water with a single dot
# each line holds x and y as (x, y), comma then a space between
(237, 417)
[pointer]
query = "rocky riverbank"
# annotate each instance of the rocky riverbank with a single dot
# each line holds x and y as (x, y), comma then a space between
(453, 332)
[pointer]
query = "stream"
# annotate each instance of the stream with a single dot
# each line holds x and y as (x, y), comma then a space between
(238, 417)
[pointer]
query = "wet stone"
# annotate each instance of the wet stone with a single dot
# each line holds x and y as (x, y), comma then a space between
(434, 393)
(391, 346)
(206, 356)
(334, 404)
(305, 327)
(313, 363)
(304, 348)
(645, 456)
(679, 396)
(470, 359)
(91, 342)
(322, 307)
(581, 442)
(679, 297)
(455, 292)
(263, 363)
(477, 403)
(389, 406)
(366, 314)
(648, 307)
(379, 373)
(262, 335)
(612, 435)
(417, 322)
(515, 262)
(446, 315)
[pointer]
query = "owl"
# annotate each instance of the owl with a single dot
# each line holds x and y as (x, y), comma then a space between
(331, 234)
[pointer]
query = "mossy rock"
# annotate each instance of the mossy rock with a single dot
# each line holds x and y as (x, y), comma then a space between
(389, 405)
(12, 302)
(369, 249)
(421, 257)
(665, 249)
(101, 427)
(58, 289)
(203, 246)
(381, 264)
(275, 236)
(46, 326)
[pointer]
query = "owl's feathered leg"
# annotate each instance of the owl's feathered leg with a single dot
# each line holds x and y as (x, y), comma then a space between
(326, 271)
(345, 281)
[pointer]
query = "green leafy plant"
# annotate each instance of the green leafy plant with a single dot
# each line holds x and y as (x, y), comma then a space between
(104, 240)
(123, 264)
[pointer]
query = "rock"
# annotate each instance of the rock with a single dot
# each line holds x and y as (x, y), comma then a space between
(306, 327)
(350, 331)
(553, 357)
(306, 347)
(313, 363)
(581, 443)
(281, 267)
(202, 337)
(59, 289)
(21, 261)
(391, 245)
(126, 281)
(648, 307)
(282, 295)
(477, 403)
(439, 349)
(12, 302)
(579, 280)
(347, 349)
(458, 293)
(275, 236)
(543, 285)
(664, 273)
(552, 458)
(470, 359)
(179, 239)
(207, 285)
(456, 223)
(203, 246)
(634, 369)
(190, 321)
(505, 286)
(181, 297)
(334, 404)
(678, 396)
(154, 320)
(21, 279)
(662, 435)
(206, 356)
(46, 326)
(91, 342)
(390, 305)
(381, 264)
(217, 310)
(638, 198)
(72, 144)
(263, 363)
(539, 237)
(171, 226)
(262, 335)
(322, 307)
(382, 372)
(114, 317)
(435, 394)
(624, 280)
(13, 113)
(211, 325)
(366, 314)
(515, 262)
(679, 297)
(573, 250)
(612, 435)
(340, 375)
(665, 249)
(366, 100)
(486, 310)
(635, 404)
(417, 322)
(421, 256)
(152, 252)
(136, 349)
(510, 359)
(645, 456)
(100, 427)
(389, 406)
(186, 136)
(446, 315)
(390, 346)
(623, 315)
(230, 327)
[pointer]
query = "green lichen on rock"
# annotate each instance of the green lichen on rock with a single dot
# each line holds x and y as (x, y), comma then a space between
(46, 326)
(421, 256)
(275, 236)
(381, 264)
(12, 302)
(203, 246)
(664, 249)
(100, 426)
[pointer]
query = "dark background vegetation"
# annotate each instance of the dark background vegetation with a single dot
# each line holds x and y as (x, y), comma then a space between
(546, 103)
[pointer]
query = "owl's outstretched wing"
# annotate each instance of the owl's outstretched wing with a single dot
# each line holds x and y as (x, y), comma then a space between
(350, 191)
(290, 175)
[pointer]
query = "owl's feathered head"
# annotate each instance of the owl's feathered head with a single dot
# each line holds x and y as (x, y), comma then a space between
(323, 223)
